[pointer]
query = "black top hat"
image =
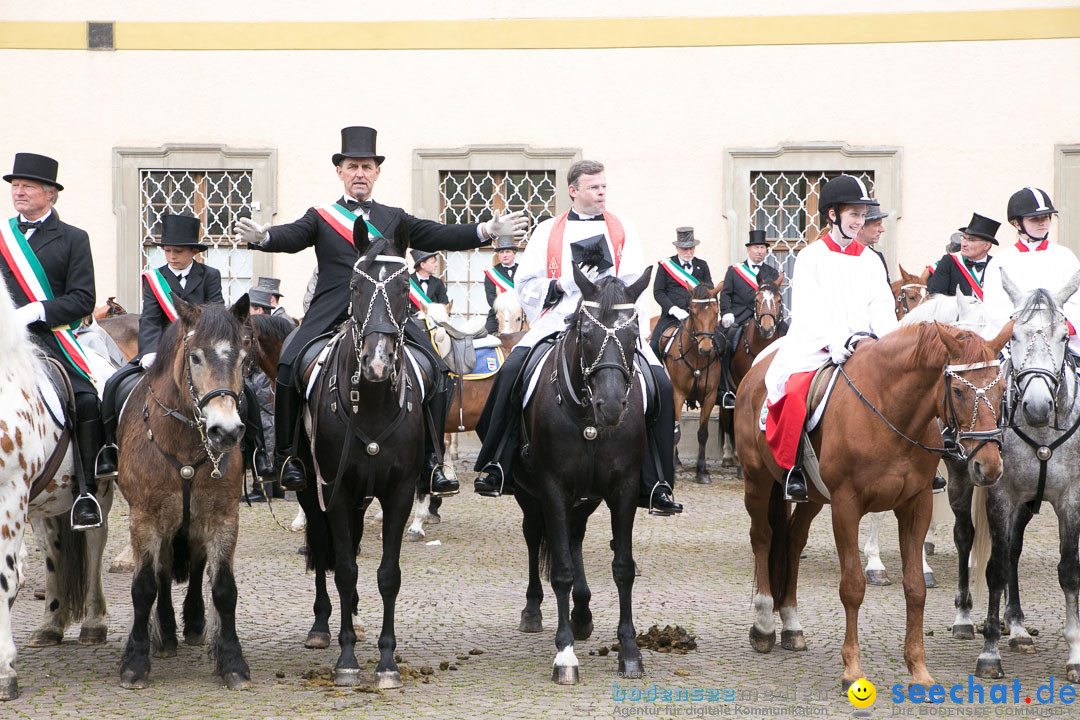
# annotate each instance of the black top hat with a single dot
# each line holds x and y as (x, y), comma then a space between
(420, 256)
(757, 237)
(272, 284)
(260, 297)
(180, 231)
(592, 252)
(35, 167)
(684, 238)
(982, 227)
(874, 212)
(505, 242)
(357, 142)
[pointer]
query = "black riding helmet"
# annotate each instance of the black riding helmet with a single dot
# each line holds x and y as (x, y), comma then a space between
(843, 190)
(1030, 202)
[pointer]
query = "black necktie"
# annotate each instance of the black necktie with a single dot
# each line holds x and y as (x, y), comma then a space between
(975, 266)
(351, 205)
(574, 216)
(25, 226)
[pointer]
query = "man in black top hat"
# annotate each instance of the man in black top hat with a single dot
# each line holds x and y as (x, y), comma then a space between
(424, 287)
(61, 292)
(273, 286)
(499, 278)
(871, 233)
(260, 299)
(328, 229)
(965, 269)
(675, 280)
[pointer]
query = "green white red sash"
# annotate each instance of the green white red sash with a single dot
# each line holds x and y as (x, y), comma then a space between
(615, 234)
(501, 282)
(35, 285)
(162, 292)
(747, 274)
(932, 268)
(680, 275)
(976, 286)
(417, 296)
(342, 219)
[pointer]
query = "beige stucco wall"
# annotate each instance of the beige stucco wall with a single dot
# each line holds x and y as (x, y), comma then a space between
(974, 120)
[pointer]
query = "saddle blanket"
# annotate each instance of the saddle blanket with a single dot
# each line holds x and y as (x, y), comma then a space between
(488, 362)
(325, 353)
(531, 382)
(51, 398)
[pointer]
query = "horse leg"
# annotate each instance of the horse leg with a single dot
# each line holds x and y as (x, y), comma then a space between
(963, 536)
(163, 632)
(875, 569)
(1069, 578)
(989, 662)
(622, 570)
(387, 675)
(229, 660)
(581, 616)
(318, 547)
(10, 543)
(791, 635)
(913, 519)
(95, 625)
(768, 522)
(420, 515)
(852, 585)
(347, 669)
(1019, 639)
(300, 521)
(51, 630)
(135, 664)
(679, 399)
(727, 436)
(564, 669)
(702, 476)
(194, 605)
(532, 527)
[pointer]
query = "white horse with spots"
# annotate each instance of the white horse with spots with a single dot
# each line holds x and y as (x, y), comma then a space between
(28, 436)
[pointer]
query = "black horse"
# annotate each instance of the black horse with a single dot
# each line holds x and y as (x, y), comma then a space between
(366, 425)
(583, 443)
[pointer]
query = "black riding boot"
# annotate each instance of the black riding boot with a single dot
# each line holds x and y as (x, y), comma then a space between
(287, 466)
(658, 470)
(498, 429)
(113, 396)
(255, 456)
(440, 485)
(795, 481)
(85, 510)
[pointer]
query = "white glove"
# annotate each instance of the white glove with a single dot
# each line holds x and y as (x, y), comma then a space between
(839, 351)
(677, 312)
(509, 225)
(28, 313)
(249, 232)
(591, 272)
(147, 360)
(728, 320)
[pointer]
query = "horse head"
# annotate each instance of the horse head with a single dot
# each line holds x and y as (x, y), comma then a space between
(909, 291)
(769, 308)
(379, 292)
(704, 314)
(1038, 349)
(509, 313)
(211, 349)
(606, 327)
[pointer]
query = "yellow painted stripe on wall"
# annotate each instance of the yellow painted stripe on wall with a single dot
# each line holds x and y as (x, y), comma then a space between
(563, 33)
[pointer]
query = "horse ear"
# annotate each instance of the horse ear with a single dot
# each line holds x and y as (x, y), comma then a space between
(952, 345)
(188, 313)
(641, 283)
(716, 290)
(904, 273)
(583, 283)
(360, 237)
(401, 238)
(1015, 294)
(1062, 296)
(241, 309)
(1001, 338)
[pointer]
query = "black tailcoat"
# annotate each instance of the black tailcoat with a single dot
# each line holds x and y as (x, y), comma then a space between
(202, 287)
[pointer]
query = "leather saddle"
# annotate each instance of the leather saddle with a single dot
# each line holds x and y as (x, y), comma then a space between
(57, 376)
(462, 356)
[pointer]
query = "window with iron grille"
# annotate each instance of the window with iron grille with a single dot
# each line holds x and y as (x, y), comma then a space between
(468, 196)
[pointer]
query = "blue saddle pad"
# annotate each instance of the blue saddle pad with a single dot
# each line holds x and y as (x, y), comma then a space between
(488, 362)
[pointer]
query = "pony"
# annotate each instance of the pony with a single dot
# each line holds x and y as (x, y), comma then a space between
(124, 330)
(181, 473)
(366, 432)
(909, 291)
(1043, 450)
(270, 334)
(583, 443)
(693, 362)
(509, 313)
(876, 450)
(32, 492)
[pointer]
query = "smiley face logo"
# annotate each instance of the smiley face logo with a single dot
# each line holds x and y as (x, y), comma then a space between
(862, 693)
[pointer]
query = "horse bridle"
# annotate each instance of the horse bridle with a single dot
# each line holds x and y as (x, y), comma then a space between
(902, 299)
(1020, 380)
(697, 337)
(759, 316)
(623, 365)
(361, 330)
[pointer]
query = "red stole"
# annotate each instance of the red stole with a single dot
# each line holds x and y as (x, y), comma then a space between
(615, 234)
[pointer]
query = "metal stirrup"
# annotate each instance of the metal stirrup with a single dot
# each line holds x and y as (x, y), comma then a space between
(77, 527)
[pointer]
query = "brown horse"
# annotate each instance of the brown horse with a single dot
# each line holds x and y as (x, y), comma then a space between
(909, 291)
(693, 364)
(124, 330)
(874, 445)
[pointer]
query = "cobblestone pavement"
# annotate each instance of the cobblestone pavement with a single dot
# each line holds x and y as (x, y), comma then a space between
(465, 594)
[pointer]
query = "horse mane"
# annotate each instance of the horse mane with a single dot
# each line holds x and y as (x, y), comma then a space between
(506, 301)
(1038, 301)
(930, 351)
(771, 287)
(701, 291)
(21, 356)
(273, 326)
(215, 321)
(610, 292)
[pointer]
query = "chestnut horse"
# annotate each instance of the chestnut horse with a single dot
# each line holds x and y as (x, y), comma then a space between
(877, 444)
(693, 364)
(909, 292)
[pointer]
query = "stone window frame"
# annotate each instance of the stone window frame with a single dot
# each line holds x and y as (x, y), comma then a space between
(1066, 195)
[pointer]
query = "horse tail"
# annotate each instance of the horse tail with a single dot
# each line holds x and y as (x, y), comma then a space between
(980, 547)
(320, 555)
(71, 563)
(779, 545)
(181, 555)
(544, 557)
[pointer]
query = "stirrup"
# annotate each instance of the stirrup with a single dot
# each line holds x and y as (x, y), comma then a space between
(97, 462)
(652, 494)
(431, 482)
(938, 487)
(281, 473)
(78, 527)
(728, 400)
(502, 477)
(787, 495)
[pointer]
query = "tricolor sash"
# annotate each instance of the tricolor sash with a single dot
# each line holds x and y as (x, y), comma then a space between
(1024, 248)
(747, 274)
(933, 268)
(976, 286)
(342, 219)
(417, 296)
(162, 292)
(501, 282)
(35, 285)
(679, 273)
(853, 248)
(615, 234)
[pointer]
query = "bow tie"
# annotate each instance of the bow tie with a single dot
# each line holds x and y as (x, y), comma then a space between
(574, 216)
(688, 266)
(24, 225)
(972, 265)
(351, 204)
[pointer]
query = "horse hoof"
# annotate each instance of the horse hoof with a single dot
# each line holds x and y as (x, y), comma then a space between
(1022, 644)
(317, 640)
(9, 688)
(1072, 672)
(120, 566)
(963, 632)
(738, 472)
(928, 548)
(792, 640)
(414, 535)
(565, 674)
(165, 652)
(929, 579)
(130, 680)
(878, 577)
(388, 679)
(346, 677)
(989, 668)
(531, 622)
(631, 668)
(93, 635)
(433, 519)
(39, 593)
(194, 639)
(236, 681)
(581, 632)
(703, 479)
(762, 642)
(45, 638)
(727, 462)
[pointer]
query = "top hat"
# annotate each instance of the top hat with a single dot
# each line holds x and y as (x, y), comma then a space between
(505, 242)
(757, 237)
(35, 167)
(420, 256)
(260, 297)
(357, 142)
(982, 227)
(180, 231)
(592, 252)
(684, 238)
(874, 212)
(272, 284)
